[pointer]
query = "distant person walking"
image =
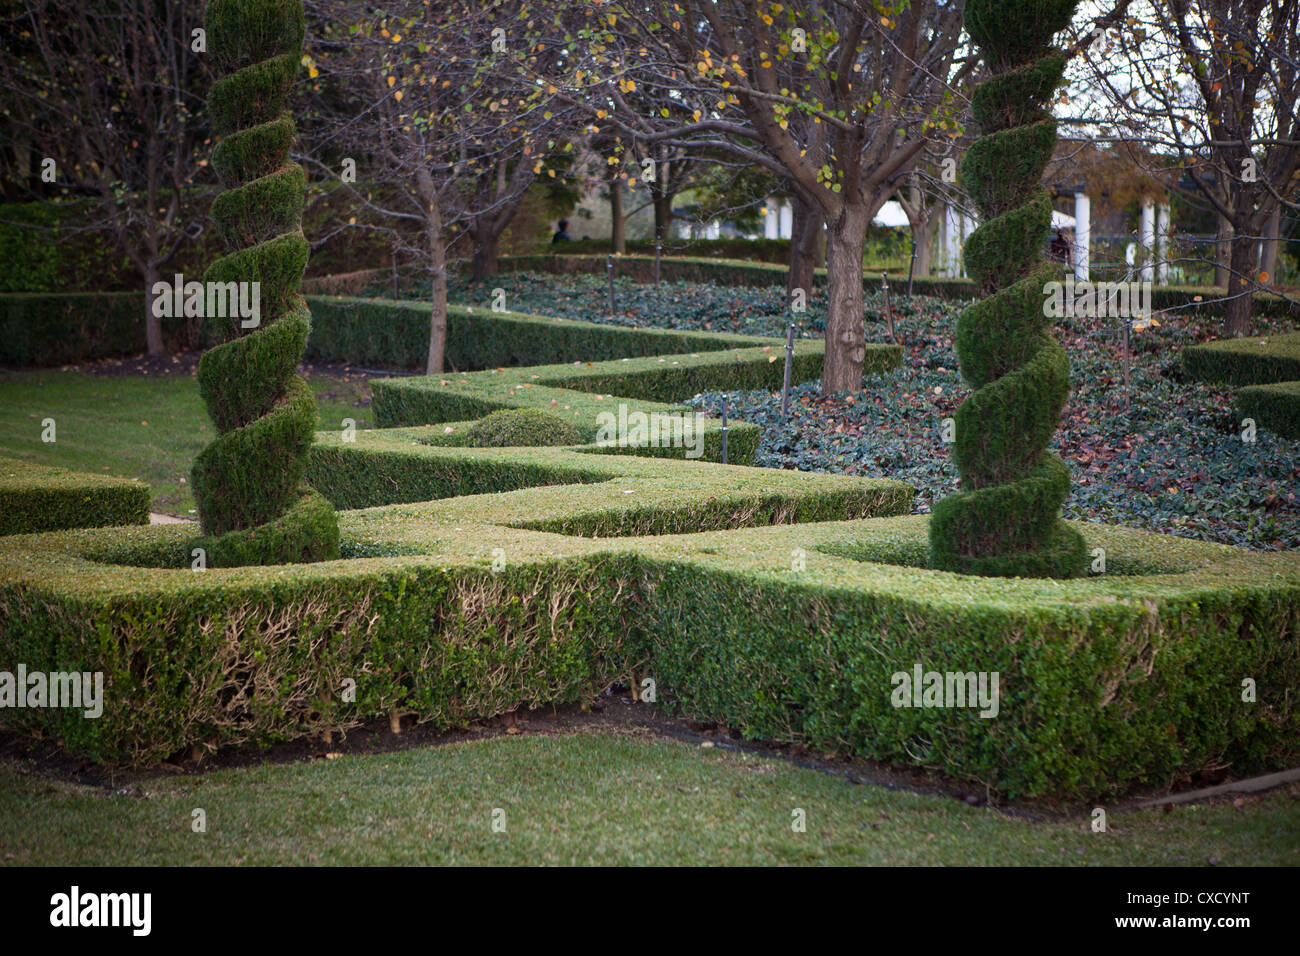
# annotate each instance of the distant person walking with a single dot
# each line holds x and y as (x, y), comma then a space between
(562, 234)
(1060, 248)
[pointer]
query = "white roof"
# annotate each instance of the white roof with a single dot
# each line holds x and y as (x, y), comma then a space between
(891, 214)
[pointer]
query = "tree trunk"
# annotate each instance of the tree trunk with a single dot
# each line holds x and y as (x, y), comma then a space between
(616, 216)
(438, 261)
(153, 338)
(1268, 250)
(1222, 252)
(819, 242)
(1241, 267)
(438, 310)
(484, 261)
(923, 238)
(845, 334)
(806, 227)
(663, 206)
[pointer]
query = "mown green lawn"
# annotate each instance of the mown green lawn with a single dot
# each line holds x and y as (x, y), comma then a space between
(132, 426)
(589, 798)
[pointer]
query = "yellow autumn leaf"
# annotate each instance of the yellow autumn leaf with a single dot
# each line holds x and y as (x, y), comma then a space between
(392, 80)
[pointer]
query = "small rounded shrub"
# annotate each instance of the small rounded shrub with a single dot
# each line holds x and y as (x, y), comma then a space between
(511, 427)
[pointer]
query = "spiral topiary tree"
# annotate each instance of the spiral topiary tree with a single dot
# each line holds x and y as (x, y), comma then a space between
(252, 503)
(1006, 518)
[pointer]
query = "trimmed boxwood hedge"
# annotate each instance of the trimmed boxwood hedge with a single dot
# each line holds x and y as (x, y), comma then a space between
(585, 390)
(1105, 684)
(1266, 369)
(1246, 361)
(439, 398)
(395, 334)
(43, 329)
(1275, 407)
(475, 581)
(42, 498)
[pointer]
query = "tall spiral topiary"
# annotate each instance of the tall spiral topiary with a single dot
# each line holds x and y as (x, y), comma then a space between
(1006, 518)
(253, 506)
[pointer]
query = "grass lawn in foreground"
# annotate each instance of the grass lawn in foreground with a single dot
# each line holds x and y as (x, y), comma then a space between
(590, 798)
(149, 428)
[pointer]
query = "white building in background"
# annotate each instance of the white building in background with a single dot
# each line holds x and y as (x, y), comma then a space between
(778, 219)
(955, 226)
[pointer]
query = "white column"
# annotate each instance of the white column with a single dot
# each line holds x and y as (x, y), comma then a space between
(941, 239)
(1147, 240)
(787, 220)
(1162, 244)
(712, 230)
(1082, 236)
(771, 220)
(968, 225)
(951, 241)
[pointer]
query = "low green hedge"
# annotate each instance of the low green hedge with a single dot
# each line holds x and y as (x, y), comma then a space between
(395, 334)
(43, 329)
(659, 379)
(1104, 684)
(586, 391)
(418, 617)
(1275, 407)
(41, 498)
(475, 581)
(1246, 361)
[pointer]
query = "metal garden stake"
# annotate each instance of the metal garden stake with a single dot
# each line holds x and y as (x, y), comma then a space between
(724, 429)
(609, 268)
(789, 358)
(889, 313)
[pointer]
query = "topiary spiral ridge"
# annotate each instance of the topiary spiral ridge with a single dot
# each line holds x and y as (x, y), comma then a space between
(253, 505)
(1006, 519)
